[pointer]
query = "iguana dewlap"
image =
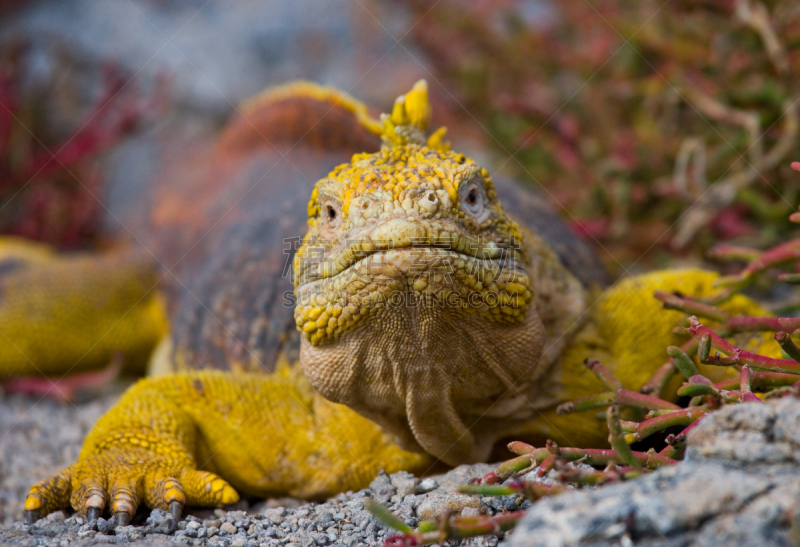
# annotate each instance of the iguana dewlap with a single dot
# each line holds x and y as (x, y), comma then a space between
(421, 304)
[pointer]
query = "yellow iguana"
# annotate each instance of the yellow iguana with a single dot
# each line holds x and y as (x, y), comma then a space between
(432, 322)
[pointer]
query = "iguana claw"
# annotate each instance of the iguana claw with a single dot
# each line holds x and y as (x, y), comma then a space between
(93, 513)
(123, 518)
(32, 516)
(176, 510)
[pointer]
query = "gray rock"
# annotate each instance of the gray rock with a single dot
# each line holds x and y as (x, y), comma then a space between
(161, 522)
(426, 485)
(228, 528)
(105, 526)
(738, 486)
(470, 512)
(434, 506)
(404, 483)
(382, 488)
(446, 497)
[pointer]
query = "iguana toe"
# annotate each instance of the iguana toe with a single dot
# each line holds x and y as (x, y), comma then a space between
(49, 495)
(89, 497)
(207, 489)
(125, 497)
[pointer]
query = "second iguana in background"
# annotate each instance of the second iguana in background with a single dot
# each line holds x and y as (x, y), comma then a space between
(433, 323)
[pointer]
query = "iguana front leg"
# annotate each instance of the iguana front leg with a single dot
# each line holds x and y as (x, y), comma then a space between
(170, 441)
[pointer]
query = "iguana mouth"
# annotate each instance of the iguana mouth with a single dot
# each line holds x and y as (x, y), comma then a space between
(358, 251)
(418, 259)
(388, 278)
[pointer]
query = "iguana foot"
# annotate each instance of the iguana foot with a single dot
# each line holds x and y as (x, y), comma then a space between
(120, 479)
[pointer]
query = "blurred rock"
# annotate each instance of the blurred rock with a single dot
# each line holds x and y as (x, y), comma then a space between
(214, 54)
(219, 53)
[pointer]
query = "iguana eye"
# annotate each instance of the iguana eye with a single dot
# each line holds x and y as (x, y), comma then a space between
(472, 200)
(332, 214)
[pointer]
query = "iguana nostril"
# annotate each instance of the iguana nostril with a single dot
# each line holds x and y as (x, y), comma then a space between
(429, 201)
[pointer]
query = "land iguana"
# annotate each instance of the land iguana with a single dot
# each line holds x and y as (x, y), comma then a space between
(433, 321)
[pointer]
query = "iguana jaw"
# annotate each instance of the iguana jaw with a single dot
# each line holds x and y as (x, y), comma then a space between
(430, 353)
(421, 340)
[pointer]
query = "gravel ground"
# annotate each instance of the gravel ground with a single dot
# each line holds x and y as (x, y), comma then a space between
(39, 437)
(339, 521)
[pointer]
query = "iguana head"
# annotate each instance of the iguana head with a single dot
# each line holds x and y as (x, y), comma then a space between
(412, 283)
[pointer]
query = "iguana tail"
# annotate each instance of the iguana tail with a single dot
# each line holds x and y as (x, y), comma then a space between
(65, 313)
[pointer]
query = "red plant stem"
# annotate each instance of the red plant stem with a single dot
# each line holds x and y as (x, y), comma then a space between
(741, 357)
(458, 528)
(791, 278)
(595, 456)
(603, 374)
(672, 451)
(772, 257)
(760, 380)
(631, 398)
(697, 390)
(784, 339)
(622, 397)
(672, 301)
(655, 385)
(546, 465)
(520, 448)
(732, 252)
(648, 427)
(586, 403)
(508, 468)
(531, 489)
(617, 439)
(593, 476)
(785, 252)
(745, 377)
(680, 438)
(748, 323)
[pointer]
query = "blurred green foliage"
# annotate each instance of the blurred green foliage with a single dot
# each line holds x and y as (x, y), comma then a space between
(651, 125)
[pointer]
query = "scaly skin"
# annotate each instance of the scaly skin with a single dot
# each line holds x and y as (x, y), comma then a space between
(192, 438)
(82, 311)
(446, 378)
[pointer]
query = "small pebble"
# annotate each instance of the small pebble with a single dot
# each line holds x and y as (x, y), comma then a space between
(470, 512)
(426, 485)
